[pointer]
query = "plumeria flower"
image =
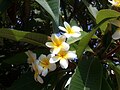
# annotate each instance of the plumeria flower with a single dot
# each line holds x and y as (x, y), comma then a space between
(116, 35)
(57, 43)
(45, 64)
(31, 56)
(115, 2)
(63, 57)
(73, 31)
(38, 71)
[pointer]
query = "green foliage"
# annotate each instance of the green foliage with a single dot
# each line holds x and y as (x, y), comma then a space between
(106, 13)
(52, 7)
(27, 26)
(88, 75)
(33, 38)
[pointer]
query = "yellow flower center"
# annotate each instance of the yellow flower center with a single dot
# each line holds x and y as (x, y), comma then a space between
(45, 63)
(70, 30)
(62, 54)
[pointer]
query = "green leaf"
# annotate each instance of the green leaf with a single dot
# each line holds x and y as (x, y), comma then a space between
(26, 82)
(106, 13)
(52, 7)
(83, 43)
(92, 10)
(29, 37)
(105, 85)
(21, 58)
(88, 75)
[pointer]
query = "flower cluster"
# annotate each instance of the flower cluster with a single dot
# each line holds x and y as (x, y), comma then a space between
(59, 51)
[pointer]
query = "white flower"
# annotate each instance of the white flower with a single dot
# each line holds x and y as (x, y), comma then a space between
(57, 43)
(116, 35)
(73, 31)
(31, 56)
(45, 64)
(63, 57)
(38, 71)
(115, 2)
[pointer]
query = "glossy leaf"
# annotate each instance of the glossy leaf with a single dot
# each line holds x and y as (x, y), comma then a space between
(88, 75)
(52, 7)
(106, 13)
(29, 37)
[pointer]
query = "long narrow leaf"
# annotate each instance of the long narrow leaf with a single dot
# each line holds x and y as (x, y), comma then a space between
(52, 7)
(29, 37)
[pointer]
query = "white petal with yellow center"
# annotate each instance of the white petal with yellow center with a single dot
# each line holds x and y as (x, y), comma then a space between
(116, 35)
(73, 31)
(63, 57)
(45, 64)
(57, 44)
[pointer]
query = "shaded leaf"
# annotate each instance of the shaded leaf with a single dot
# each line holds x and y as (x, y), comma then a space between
(105, 85)
(92, 10)
(26, 82)
(88, 75)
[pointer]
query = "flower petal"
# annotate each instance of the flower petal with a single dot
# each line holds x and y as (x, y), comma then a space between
(54, 59)
(71, 55)
(67, 25)
(76, 34)
(116, 35)
(62, 38)
(55, 50)
(52, 67)
(65, 46)
(62, 28)
(44, 72)
(64, 63)
(67, 35)
(39, 79)
(40, 69)
(42, 57)
(76, 28)
(55, 39)
(49, 44)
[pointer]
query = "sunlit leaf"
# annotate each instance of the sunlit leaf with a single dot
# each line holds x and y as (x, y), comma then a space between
(106, 13)
(52, 7)
(29, 37)
(85, 40)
